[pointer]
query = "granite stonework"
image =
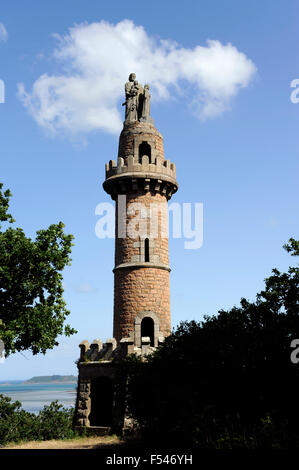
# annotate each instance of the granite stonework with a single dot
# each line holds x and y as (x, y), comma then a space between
(141, 322)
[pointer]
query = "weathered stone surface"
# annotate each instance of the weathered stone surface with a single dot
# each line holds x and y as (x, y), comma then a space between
(84, 346)
(141, 272)
(137, 101)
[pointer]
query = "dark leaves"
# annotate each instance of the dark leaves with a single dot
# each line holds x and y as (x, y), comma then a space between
(32, 309)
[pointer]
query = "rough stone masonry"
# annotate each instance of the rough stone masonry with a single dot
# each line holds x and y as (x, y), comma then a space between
(141, 271)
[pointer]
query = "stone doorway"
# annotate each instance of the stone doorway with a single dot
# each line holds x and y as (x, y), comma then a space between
(101, 397)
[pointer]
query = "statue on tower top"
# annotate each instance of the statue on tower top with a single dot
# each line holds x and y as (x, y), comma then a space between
(137, 101)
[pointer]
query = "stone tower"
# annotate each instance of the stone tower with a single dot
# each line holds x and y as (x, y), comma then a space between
(140, 183)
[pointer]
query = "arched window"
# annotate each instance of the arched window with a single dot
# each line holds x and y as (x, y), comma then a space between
(144, 149)
(146, 250)
(147, 329)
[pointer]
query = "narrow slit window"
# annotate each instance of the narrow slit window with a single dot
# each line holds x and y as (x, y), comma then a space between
(146, 250)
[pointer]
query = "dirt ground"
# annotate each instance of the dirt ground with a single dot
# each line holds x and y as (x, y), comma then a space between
(79, 443)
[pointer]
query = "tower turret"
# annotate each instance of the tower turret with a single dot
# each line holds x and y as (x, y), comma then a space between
(141, 182)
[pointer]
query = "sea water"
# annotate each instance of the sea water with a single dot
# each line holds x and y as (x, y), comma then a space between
(35, 396)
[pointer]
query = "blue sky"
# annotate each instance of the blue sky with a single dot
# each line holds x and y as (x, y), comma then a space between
(241, 161)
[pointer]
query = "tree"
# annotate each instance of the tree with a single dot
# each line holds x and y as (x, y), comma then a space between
(52, 422)
(227, 381)
(32, 309)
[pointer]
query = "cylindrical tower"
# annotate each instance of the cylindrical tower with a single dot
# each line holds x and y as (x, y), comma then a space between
(141, 183)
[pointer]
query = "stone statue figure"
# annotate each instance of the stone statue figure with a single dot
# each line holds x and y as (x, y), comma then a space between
(133, 103)
(129, 103)
(146, 104)
(133, 93)
(130, 83)
(139, 90)
(137, 101)
(137, 94)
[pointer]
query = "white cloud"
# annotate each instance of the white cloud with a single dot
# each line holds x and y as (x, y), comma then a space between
(86, 289)
(96, 60)
(3, 33)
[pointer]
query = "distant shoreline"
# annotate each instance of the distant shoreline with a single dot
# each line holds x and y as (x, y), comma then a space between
(52, 379)
(52, 382)
(11, 382)
(43, 380)
(2, 384)
(48, 383)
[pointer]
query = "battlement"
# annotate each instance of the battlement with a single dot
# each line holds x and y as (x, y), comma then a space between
(158, 166)
(101, 352)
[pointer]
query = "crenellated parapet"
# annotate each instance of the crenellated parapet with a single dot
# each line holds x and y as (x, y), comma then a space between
(98, 352)
(158, 176)
(165, 168)
(140, 164)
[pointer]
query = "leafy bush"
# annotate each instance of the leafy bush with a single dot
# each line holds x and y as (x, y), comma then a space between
(225, 382)
(15, 423)
(53, 422)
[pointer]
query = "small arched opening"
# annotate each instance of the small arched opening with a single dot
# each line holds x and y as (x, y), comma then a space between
(148, 329)
(144, 149)
(101, 396)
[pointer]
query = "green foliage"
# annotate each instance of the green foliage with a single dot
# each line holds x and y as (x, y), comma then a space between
(53, 422)
(4, 205)
(292, 247)
(15, 424)
(32, 309)
(228, 381)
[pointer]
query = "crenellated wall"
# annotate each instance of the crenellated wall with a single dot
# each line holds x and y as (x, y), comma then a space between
(163, 167)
